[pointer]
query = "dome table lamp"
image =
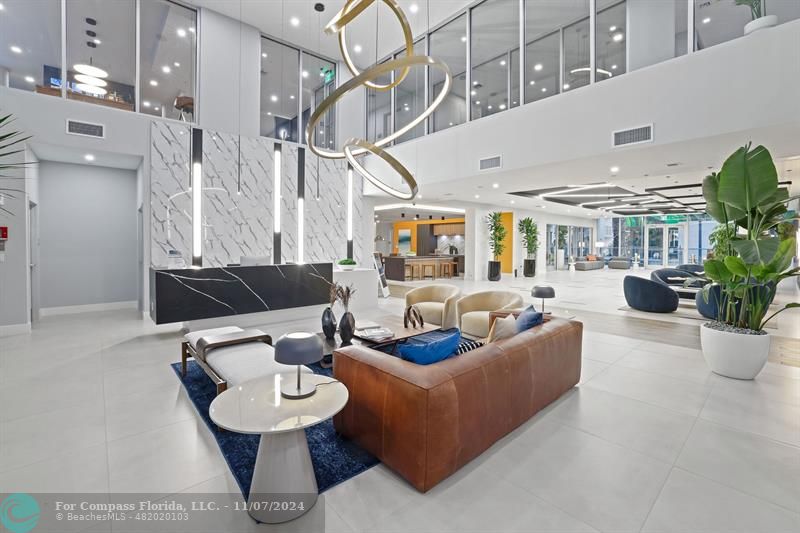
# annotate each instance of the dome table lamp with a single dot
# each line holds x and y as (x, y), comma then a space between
(298, 349)
(543, 291)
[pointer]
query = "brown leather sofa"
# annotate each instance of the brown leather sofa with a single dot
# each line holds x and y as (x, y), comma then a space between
(426, 422)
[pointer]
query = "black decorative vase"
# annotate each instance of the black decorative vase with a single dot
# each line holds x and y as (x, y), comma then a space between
(494, 270)
(328, 323)
(529, 268)
(347, 327)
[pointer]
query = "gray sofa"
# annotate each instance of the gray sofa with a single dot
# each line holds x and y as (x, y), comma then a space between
(584, 263)
(620, 263)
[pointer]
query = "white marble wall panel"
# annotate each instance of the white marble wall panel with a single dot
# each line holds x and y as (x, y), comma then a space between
(256, 205)
(170, 198)
(222, 221)
(289, 203)
(326, 224)
(362, 251)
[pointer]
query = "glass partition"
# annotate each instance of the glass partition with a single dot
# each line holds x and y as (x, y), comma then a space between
(610, 38)
(718, 22)
(449, 43)
(495, 33)
(30, 45)
(409, 100)
(168, 56)
(319, 81)
(280, 84)
(379, 110)
(655, 32)
(101, 52)
(576, 54)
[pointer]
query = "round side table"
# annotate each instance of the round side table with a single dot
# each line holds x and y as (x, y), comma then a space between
(284, 486)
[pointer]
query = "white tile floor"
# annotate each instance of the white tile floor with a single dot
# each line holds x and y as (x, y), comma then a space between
(649, 441)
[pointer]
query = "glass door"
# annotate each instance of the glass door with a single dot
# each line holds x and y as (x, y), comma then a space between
(674, 244)
(655, 246)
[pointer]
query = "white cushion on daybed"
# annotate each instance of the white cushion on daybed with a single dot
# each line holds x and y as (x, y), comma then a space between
(194, 336)
(243, 362)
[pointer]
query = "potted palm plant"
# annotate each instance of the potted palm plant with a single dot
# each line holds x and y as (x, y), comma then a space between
(11, 144)
(758, 12)
(530, 239)
(746, 193)
(497, 234)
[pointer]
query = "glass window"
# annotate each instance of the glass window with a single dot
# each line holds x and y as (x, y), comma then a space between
(655, 32)
(449, 44)
(409, 98)
(379, 110)
(576, 52)
(280, 88)
(30, 45)
(495, 33)
(545, 24)
(611, 36)
(168, 59)
(101, 52)
(319, 81)
(718, 22)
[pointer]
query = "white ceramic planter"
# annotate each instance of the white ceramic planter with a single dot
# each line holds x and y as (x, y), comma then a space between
(767, 21)
(734, 355)
(348, 267)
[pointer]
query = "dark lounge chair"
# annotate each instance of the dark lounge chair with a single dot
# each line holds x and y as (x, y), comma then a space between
(651, 296)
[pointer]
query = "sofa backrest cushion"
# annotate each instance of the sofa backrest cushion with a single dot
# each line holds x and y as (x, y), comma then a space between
(529, 318)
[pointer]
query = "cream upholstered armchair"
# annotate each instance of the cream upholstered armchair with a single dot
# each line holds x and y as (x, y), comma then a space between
(436, 304)
(473, 310)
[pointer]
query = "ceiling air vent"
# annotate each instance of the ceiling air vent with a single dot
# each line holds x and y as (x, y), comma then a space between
(87, 129)
(642, 134)
(488, 163)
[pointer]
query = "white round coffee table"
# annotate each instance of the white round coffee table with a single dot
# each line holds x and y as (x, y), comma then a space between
(283, 486)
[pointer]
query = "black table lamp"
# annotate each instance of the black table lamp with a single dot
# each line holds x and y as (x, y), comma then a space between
(298, 349)
(543, 291)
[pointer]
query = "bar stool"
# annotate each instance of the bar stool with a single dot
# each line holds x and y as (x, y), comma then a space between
(416, 270)
(432, 267)
(409, 272)
(446, 270)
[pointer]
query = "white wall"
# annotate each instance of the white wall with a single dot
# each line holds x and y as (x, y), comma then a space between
(14, 292)
(88, 235)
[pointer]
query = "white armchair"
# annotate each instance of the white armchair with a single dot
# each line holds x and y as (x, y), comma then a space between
(473, 310)
(436, 304)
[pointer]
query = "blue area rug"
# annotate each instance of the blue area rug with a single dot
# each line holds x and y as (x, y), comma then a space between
(335, 459)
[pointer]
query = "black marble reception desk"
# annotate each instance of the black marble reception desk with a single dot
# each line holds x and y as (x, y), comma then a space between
(179, 295)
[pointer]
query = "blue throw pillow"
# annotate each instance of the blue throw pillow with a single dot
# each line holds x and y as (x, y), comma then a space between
(529, 318)
(425, 352)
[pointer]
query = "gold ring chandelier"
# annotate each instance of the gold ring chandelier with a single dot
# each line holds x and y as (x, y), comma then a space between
(355, 147)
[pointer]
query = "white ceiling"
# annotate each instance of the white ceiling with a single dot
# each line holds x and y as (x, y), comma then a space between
(64, 154)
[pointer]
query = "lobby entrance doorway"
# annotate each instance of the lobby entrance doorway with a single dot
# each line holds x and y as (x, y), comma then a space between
(666, 245)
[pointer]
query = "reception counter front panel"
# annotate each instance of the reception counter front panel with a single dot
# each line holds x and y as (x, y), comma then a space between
(180, 295)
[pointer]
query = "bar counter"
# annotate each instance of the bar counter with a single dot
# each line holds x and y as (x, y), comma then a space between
(403, 268)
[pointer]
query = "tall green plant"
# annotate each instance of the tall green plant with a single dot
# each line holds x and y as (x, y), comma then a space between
(530, 235)
(10, 145)
(497, 234)
(720, 240)
(745, 194)
(757, 7)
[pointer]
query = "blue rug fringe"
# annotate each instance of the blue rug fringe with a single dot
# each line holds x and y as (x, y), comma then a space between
(334, 458)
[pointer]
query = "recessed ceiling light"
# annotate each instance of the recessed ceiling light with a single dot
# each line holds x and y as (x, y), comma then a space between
(89, 157)
(269, 113)
(502, 106)
(291, 97)
(165, 69)
(176, 64)
(490, 106)
(305, 73)
(495, 185)
(16, 49)
(537, 67)
(463, 38)
(614, 169)
(502, 62)
(294, 21)
(97, 41)
(181, 32)
(451, 124)
(474, 83)
(544, 89)
(146, 103)
(531, 82)
(512, 201)
(618, 37)
(274, 97)
(613, 67)
(706, 20)
(2, 7)
(154, 83)
(30, 79)
(156, 108)
(477, 102)
(191, 30)
(357, 48)
(473, 92)
(566, 86)
(612, 28)
(477, 196)
(264, 55)
(413, 8)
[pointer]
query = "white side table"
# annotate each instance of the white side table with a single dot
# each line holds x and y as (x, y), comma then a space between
(284, 486)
